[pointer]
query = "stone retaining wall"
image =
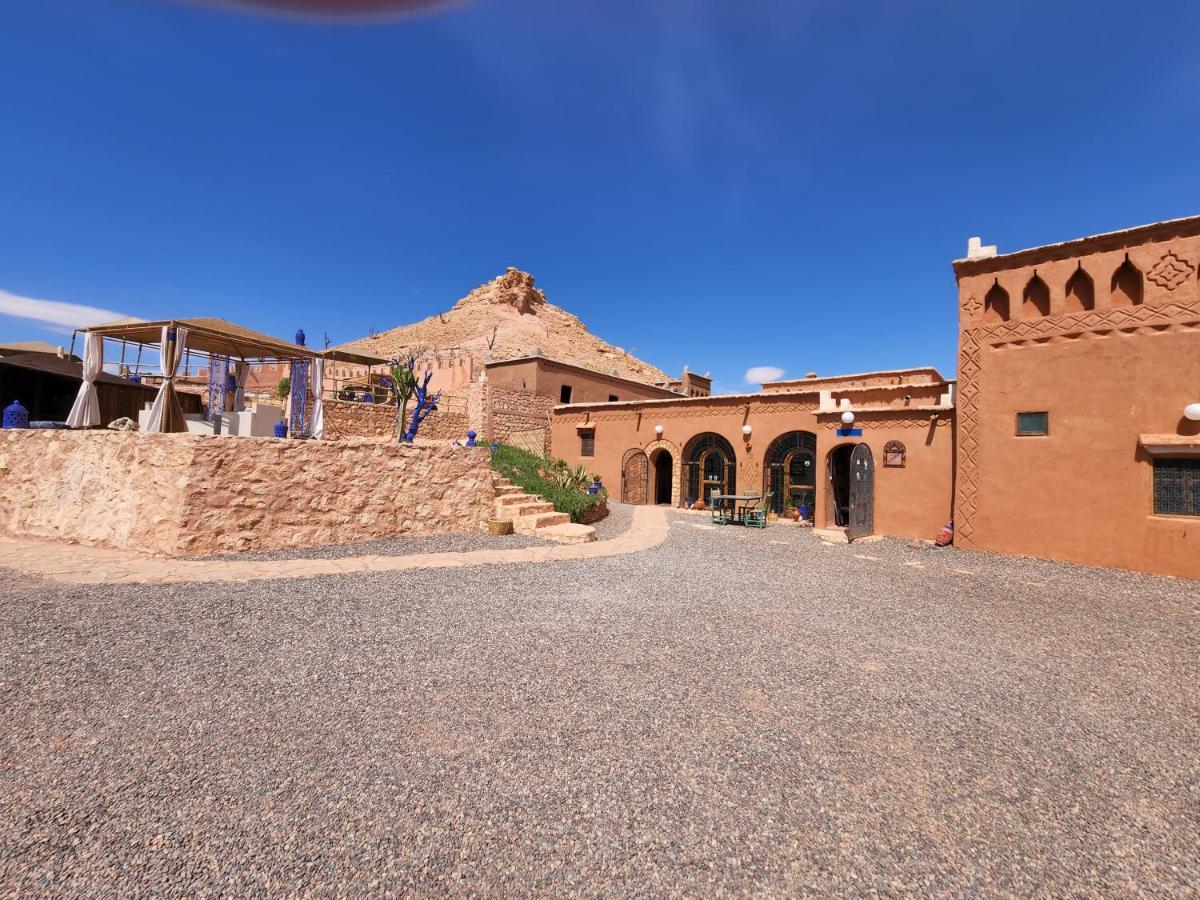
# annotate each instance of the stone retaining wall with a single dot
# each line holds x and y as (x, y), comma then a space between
(177, 494)
(344, 419)
(508, 411)
(377, 421)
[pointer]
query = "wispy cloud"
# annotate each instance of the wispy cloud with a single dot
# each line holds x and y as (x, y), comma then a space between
(55, 312)
(692, 99)
(759, 374)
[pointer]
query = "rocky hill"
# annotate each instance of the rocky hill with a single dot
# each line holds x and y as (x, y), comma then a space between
(509, 317)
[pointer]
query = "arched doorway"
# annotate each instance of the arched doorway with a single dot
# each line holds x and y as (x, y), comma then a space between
(790, 471)
(851, 502)
(635, 474)
(664, 474)
(708, 467)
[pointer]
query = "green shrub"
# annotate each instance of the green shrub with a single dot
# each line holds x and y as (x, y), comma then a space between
(551, 478)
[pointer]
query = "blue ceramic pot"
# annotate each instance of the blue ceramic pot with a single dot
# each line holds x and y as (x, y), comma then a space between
(281, 429)
(16, 416)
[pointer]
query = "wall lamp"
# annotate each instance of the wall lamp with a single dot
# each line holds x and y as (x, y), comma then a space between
(847, 418)
(1192, 411)
(658, 429)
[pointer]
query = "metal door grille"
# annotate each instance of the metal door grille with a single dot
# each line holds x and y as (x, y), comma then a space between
(862, 493)
(1177, 487)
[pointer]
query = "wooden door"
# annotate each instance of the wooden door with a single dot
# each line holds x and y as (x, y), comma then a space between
(862, 493)
(635, 472)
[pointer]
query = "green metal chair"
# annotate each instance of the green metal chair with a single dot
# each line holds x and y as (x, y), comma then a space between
(720, 515)
(756, 516)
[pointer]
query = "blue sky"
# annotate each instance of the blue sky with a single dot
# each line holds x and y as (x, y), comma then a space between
(719, 184)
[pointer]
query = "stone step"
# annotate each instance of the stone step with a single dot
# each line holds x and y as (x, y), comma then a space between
(523, 510)
(501, 482)
(507, 490)
(538, 522)
(529, 509)
(568, 533)
(831, 535)
(517, 499)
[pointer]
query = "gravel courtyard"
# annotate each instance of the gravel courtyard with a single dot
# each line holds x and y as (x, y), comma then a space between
(734, 710)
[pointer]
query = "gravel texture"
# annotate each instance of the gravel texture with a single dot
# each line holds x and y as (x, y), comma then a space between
(733, 711)
(617, 521)
(399, 546)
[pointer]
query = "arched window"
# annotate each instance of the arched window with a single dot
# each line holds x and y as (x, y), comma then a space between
(995, 304)
(1036, 300)
(1081, 293)
(790, 470)
(708, 467)
(1126, 285)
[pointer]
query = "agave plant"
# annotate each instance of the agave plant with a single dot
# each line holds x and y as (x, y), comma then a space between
(575, 480)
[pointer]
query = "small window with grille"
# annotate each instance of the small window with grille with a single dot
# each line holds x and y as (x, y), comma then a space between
(1177, 487)
(587, 443)
(1033, 423)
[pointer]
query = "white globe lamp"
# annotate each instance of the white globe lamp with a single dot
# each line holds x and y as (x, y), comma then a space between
(746, 429)
(1192, 411)
(658, 429)
(847, 418)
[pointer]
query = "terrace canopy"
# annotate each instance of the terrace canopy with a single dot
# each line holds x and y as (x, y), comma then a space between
(174, 337)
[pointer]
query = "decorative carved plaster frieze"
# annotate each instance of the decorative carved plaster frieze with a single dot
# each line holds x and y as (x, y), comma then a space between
(1170, 271)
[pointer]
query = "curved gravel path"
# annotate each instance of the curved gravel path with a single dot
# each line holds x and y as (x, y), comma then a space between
(731, 711)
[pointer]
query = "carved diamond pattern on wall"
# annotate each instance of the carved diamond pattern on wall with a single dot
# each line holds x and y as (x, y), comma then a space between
(1170, 272)
(1092, 321)
(1178, 313)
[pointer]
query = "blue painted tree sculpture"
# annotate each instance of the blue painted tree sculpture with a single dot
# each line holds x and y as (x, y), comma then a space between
(405, 384)
(425, 405)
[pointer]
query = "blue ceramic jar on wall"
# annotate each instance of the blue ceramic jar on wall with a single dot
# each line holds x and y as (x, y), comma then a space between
(16, 416)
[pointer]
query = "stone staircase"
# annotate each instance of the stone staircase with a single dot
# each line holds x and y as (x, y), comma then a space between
(531, 514)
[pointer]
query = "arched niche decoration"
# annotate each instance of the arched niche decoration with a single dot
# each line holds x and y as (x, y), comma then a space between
(1035, 302)
(995, 304)
(1126, 288)
(1081, 292)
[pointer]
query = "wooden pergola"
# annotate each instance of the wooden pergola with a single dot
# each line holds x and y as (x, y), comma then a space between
(211, 337)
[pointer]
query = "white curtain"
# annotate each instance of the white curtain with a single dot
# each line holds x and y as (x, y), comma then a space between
(316, 425)
(169, 354)
(85, 411)
(241, 372)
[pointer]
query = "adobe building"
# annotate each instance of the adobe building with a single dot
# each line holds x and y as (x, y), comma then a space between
(1076, 363)
(890, 471)
(568, 383)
